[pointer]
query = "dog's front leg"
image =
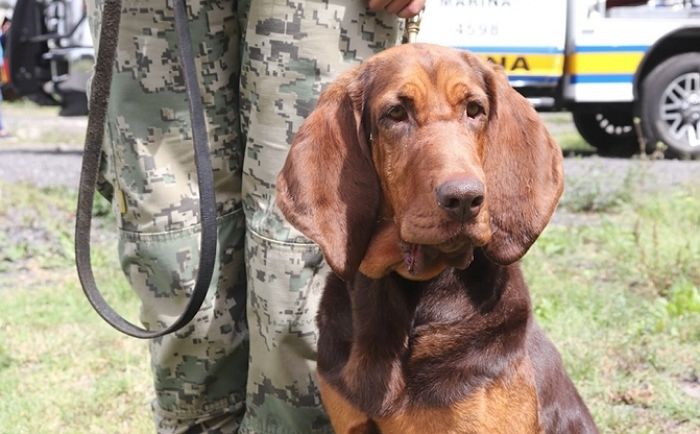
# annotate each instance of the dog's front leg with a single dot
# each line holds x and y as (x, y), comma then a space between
(345, 418)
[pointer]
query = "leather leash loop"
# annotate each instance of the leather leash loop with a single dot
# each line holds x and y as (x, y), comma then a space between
(99, 98)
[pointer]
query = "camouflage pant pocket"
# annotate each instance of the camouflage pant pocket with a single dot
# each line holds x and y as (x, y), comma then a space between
(202, 369)
(285, 281)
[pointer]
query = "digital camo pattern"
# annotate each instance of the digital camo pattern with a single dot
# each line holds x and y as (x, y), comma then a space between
(200, 372)
(290, 51)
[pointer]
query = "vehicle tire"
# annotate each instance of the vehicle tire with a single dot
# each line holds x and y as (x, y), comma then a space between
(670, 105)
(611, 132)
(74, 104)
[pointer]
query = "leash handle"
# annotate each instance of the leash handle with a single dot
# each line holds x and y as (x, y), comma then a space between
(99, 97)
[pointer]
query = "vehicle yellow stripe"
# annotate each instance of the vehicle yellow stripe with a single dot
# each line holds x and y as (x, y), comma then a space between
(603, 63)
(528, 64)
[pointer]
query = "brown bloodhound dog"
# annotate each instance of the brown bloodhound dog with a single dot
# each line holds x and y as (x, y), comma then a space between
(424, 177)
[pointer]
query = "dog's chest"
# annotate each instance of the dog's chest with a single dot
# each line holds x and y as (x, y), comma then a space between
(392, 343)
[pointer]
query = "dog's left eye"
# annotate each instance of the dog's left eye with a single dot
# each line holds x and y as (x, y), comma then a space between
(474, 109)
(397, 113)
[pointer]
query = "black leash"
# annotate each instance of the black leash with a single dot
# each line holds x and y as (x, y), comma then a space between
(99, 98)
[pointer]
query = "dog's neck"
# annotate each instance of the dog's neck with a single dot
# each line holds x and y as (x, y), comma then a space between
(453, 333)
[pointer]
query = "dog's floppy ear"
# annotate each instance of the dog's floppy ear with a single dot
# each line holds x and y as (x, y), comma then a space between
(328, 188)
(523, 169)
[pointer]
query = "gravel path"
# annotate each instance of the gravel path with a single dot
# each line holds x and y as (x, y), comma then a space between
(46, 150)
(42, 168)
(612, 173)
(62, 167)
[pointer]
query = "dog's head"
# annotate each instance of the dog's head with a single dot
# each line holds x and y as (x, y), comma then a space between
(415, 158)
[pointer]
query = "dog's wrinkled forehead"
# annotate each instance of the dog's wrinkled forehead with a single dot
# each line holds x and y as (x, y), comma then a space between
(417, 73)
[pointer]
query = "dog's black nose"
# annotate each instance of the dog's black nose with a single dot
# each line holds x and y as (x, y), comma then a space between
(461, 198)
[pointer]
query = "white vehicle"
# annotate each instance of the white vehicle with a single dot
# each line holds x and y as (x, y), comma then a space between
(50, 53)
(605, 61)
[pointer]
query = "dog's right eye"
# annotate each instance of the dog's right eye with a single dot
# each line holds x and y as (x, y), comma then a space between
(474, 109)
(397, 113)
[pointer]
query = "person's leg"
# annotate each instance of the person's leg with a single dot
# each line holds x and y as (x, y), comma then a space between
(3, 131)
(291, 50)
(149, 172)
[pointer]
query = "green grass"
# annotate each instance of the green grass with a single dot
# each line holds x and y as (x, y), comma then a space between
(573, 142)
(620, 297)
(62, 369)
(561, 126)
(617, 289)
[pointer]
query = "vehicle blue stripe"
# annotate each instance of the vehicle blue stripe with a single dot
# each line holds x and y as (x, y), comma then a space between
(514, 50)
(610, 48)
(556, 50)
(534, 78)
(601, 78)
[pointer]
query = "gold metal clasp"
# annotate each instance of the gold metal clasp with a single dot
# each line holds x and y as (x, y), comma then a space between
(413, 27)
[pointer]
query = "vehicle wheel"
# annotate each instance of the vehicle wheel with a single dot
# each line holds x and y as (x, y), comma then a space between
(610, 132)
(74, 104)
(670, 105)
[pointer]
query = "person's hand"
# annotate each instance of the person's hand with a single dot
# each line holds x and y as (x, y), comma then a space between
(402, 8)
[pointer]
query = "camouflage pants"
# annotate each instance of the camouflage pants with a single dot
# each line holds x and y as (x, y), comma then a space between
(246, 362)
